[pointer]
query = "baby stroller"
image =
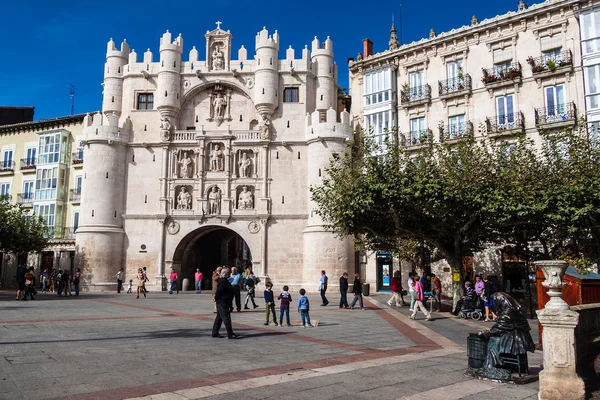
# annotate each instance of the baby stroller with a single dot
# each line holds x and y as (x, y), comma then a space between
(472, 309)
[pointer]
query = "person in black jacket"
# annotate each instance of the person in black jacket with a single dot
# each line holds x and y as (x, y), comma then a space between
(344, 290)
(223, 298)
(357, 290)
(488, 303)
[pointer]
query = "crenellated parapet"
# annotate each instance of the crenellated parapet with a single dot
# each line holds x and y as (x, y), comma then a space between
(116, 60)
(319, 129)
(106, 129)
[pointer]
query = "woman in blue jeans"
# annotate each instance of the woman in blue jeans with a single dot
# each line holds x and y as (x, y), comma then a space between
(357, 290)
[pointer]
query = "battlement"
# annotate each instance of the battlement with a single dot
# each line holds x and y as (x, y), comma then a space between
(317, 128)
(105, 127)
(264, 40)
(112, 51)
(322, 49)
(166, 44)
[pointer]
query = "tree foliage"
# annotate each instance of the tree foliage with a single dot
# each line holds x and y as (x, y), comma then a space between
(462, 195)
(20, 232)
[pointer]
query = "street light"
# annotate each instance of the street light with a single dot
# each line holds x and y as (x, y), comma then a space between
(526, 242)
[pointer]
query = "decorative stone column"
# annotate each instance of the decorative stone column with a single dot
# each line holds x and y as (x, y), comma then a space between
(558, 380)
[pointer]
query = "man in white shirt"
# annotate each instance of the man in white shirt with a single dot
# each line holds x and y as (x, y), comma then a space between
(119, 280)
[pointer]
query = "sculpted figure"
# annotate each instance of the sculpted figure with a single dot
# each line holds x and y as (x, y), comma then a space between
(264, 129)
(245, 164)
(186, 166)
(184, 200)
(245, 200)
(220, 104)
(218, 61)
(214, 201)
(216, 159)
(165, 128)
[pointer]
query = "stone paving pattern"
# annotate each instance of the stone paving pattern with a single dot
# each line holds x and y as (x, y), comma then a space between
(109, 346)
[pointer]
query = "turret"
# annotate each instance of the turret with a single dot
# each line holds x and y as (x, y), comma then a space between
(323, 67)
(113, 77)
(266, 85)
(168, 96)
(99, 239)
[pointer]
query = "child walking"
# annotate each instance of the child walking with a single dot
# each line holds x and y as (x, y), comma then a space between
(270, 300)
(304, 308)
(130, 286)
(284, 306)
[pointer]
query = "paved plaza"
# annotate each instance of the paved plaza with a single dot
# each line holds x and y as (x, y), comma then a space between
(109, 346)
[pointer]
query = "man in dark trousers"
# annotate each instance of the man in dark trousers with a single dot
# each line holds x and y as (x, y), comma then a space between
(344, 290)
(223, 298)
(323, 288)
(236, 282)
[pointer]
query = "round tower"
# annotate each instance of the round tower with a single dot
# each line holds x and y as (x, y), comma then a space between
(168, 90)
(323, 67)
(113, 77)
(266, 75)
(99, 238)
(322, 249)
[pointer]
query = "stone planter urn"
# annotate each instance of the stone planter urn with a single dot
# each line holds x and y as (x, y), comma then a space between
(554, 271)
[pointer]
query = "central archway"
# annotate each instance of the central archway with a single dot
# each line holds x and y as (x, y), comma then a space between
(206, 249)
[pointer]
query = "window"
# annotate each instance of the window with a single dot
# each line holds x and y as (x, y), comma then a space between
(78, 181)
(594, 131)
(456, 125)
(145, 101)
(378, 86)
(379, 125)
(555, 103)
(30, 156)
(7, 159)
(502, 60)
(5, 189)
(75, 220)
(46, 211)
(53, 148)
(418, 131)
(454, 69)
(592, 90)
(415, 85)
(505, 112)
(49, 183)
(28, 190)
(590, 31)
(290, 95)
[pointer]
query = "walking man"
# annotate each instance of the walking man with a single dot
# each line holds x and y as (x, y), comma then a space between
(223, 298)
(173, 281)
(235, 279)
(198, 280)
(344, 290)
(216, 275)
(323, 288)
(119, 277)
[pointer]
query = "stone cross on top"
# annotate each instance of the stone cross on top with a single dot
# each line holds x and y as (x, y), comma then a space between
(218, 24)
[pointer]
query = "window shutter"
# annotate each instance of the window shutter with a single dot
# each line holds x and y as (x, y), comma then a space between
(503, 55)
(456, 110)
(552, 43)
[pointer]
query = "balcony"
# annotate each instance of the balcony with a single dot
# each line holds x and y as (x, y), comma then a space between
(505, 125)
(418, 139)
(77, 158)
(75, 195)
(563, 115)
(7, 167)
(415, 96)
(501, 75)
(452, 132)
(28, 164)
(25, 199)
(548, 64)
(69, 233)
(461, 85)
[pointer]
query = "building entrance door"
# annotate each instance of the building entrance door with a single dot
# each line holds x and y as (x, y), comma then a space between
(384, 270)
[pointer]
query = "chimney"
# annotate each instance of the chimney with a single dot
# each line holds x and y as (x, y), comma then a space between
(367, 48)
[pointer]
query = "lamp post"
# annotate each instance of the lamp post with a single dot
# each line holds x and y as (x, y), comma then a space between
(531, 314)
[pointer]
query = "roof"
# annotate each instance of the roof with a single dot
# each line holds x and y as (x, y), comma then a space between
(573, 272)
(49, 123)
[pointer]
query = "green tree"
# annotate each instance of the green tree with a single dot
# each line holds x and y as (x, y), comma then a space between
(20, 232)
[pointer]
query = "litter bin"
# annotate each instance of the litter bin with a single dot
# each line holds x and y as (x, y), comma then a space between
(366, 289)
(185, 285)
(476, 350)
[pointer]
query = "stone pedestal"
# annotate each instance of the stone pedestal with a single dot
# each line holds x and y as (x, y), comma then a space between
(558, 380)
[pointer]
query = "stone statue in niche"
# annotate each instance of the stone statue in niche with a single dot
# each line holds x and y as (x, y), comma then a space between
(186, 169)
(245, 201)
(218, 59)
(184, 200)
(264, 128)
(216, 159)
(219, 104)
(245, 165)
(214, 201)
(165, 128)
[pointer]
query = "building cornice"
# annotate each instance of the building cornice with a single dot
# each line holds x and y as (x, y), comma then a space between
(43, 124)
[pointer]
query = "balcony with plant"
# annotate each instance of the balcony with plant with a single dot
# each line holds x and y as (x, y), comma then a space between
(414, 96)
(455, 131)
(418, 139)
(455, 86)
(548, 64)
(559, 116)
(500, 76)
(505, 125)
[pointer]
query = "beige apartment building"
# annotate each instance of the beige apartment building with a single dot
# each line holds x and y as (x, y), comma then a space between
(41, 168)
(512, 74)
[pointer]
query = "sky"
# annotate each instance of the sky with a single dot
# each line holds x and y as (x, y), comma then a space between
(50, 44)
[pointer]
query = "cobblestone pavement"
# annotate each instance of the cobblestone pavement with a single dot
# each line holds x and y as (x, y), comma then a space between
(109, 346)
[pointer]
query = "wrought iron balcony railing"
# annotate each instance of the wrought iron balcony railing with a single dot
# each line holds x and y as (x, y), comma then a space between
(506, 122)
(25, 198)
(75, 195)
(456, 130)
(560, 113)
(6, 197)
(455, 85)
(77, 157)
(7, 165)
(501, 73)
(418, 137)
(69, 233)
(551, 62)
(413, 94)
(28, 163)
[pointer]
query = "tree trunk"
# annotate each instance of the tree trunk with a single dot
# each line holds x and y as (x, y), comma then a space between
(457, 286)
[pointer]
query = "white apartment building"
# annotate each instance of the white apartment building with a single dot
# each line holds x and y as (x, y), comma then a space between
(514, 73)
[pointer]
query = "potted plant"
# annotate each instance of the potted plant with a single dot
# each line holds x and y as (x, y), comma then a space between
(531, 61)
(551, 65)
